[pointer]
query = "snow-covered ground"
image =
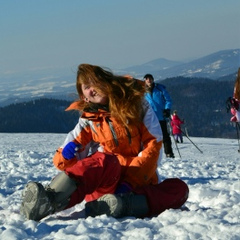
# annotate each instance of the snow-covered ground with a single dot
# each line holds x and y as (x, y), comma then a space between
(214, 201)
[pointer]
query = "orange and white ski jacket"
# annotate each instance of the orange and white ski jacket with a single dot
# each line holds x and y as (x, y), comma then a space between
(138, 152)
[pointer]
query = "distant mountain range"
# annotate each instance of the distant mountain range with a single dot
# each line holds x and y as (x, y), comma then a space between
(214, 66)
(60, 83)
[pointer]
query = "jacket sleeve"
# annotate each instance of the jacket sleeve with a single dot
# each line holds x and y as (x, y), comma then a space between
(166, 96)
(142, 168)
(168, 99)
(80, 134)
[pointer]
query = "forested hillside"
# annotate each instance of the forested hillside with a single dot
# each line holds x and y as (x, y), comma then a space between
(41, 115)
(201, 102)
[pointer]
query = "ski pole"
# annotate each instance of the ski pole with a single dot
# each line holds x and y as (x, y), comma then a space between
(192, 142)
(189, 139)
(237, 128)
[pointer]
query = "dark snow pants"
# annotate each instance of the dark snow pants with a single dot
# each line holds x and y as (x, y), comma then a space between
(99, 174)
(167, 143)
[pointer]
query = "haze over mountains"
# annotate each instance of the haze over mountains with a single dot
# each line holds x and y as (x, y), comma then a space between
(60, 83)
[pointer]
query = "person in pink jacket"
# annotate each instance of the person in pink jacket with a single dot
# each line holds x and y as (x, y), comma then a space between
(176, 123)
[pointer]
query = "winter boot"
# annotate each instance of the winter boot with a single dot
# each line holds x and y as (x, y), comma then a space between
(60, 189)
(35, 202)
(118, 206)
(170, 155)
(39, 202)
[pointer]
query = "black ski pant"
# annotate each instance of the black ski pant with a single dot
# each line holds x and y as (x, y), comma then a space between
(166, 138)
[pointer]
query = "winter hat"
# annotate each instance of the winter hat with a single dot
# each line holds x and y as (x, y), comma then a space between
(149, 76)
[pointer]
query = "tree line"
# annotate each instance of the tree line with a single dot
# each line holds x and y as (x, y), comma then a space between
(40, 115)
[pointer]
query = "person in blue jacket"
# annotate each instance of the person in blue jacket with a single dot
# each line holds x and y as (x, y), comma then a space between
(161, 102)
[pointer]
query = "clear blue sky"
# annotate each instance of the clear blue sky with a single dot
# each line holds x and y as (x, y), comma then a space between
(113, 33)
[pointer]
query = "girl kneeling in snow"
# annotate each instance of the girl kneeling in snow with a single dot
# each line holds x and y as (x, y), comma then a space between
(110, 158)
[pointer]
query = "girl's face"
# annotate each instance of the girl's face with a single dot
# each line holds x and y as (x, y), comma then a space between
(91, 95)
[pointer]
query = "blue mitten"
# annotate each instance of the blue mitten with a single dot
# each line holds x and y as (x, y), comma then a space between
(69, 151)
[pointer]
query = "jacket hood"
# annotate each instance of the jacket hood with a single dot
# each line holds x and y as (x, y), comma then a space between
(92, 112)
(91, 108)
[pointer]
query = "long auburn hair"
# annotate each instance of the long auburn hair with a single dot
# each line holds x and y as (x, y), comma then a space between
(125, 93)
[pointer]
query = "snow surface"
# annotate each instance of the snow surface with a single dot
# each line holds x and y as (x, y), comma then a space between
(214, 201)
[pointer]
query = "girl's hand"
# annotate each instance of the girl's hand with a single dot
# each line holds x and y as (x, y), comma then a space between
(70, 150)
